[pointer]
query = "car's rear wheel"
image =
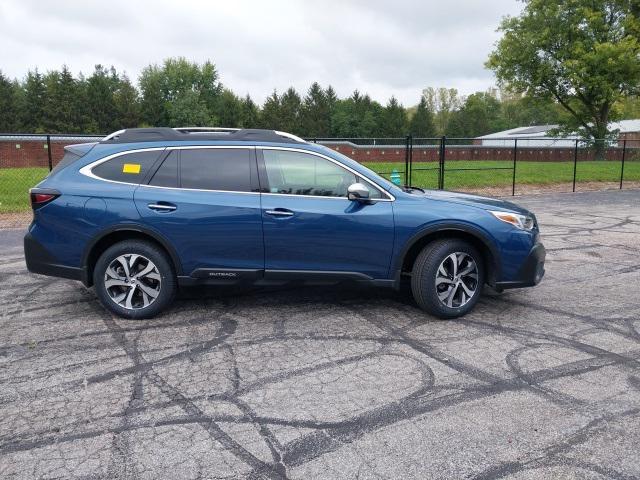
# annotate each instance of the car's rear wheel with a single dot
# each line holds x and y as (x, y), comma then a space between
(447, 278)
(134, 279)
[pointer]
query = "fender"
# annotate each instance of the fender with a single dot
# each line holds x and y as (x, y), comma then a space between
(132, 227)
(470, 229)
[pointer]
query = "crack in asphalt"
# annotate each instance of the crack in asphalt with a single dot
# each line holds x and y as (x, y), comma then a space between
(332, 382)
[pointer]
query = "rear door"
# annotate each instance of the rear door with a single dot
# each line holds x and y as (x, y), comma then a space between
(206, 202)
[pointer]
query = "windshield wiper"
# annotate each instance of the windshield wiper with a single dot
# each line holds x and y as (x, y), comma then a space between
(412, 189)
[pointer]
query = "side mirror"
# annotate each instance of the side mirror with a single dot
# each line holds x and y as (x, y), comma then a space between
(358, 192)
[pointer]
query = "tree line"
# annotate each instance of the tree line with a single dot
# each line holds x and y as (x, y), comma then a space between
(574, 63)
(183, 93)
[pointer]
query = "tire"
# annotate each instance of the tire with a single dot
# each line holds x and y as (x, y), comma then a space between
(426, 274)
(128, 275)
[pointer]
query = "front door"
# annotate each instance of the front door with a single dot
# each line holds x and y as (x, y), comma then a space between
(311, 226)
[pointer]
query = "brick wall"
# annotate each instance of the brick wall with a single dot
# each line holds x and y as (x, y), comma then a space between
(33, 153)
(377, 153)
(27, 152)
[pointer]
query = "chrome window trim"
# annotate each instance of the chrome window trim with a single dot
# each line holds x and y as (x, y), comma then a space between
(198, 189)
(87, 171)
(390, 197)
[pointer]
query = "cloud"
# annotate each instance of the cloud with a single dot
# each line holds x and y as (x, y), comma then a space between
(380, 47)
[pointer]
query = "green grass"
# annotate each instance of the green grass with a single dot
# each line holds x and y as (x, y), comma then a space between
(14, 187)
(15, 182)
(531, 173)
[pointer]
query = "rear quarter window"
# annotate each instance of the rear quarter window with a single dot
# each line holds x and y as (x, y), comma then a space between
(129, 167)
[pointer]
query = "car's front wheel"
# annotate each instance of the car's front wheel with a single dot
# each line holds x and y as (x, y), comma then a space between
(134, 279)
(447, 278)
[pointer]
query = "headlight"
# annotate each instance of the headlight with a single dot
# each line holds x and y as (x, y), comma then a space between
(523, 222)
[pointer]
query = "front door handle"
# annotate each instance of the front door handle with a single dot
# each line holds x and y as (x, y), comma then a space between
(162, 207)
(279, 212)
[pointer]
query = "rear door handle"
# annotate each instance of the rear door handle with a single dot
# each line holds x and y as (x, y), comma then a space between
(279, 212)
(162, 207)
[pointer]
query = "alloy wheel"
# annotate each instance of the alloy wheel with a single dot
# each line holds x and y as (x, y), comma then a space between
(457, 279)
(132, 281)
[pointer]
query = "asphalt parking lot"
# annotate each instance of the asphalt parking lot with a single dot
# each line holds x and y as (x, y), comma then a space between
(336, 382)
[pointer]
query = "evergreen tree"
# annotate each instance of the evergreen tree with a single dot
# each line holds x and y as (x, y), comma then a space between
(290, 112)
(271, 117)
(250, 113)
(61, 98)
(394, 122)
(316, 115)
(421, 124)
(229, 110)
(101, 88)
(32, 113)
(8, 105)
(127, 103)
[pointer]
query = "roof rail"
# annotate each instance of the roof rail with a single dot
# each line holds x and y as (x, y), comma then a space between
(134, 135)
(205, 129)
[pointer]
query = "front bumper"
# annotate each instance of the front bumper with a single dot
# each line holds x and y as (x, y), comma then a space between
(531, 272)
(39, 260)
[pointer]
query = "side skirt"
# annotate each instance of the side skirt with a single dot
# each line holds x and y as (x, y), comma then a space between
(229, 276)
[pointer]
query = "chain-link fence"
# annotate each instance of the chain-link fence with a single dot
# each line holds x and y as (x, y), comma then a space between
(498, 166)
(24, 161)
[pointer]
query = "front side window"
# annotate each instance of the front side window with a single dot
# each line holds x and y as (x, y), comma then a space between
(298, 173)
(227, 169)
(128, 168)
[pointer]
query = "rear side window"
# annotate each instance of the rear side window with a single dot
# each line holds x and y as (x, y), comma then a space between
(227, 169)
(129, 167)
(167, 174)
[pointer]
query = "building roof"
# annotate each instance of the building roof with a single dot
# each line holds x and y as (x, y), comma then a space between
(624, 126)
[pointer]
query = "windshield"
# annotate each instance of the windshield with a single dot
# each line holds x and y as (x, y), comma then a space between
(383, 182)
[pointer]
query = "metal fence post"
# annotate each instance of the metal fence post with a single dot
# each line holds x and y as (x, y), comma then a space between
(410, 159)
(49, 152)
(515, 157)
(406, 161)
(624, 154)
(443, 146)
(575, 164)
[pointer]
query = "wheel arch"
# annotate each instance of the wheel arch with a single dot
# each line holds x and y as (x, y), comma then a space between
(474, 236)
(119, 233)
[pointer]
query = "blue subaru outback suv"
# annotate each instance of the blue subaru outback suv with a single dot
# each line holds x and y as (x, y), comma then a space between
(145, 211)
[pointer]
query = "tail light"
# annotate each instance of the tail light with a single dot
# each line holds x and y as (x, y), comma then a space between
(41, 196)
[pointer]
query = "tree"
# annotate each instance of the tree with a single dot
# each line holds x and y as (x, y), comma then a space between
(127, 103)
(480, 114)
(443, 102)
(270, 117)
(61, 109)
(101, 87)
(316, 112)
(250, 113)
(229, 109)
(8, 105)
(32, 113)
(357, 116)
(153, 108)
(585, 54)
(290, 112)
(421, 124)
(169, 91)
(394, 120)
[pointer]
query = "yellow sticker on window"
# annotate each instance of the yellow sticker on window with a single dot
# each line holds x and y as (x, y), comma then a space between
(131, 168)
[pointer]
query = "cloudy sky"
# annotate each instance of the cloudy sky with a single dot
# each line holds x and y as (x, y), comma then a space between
(385, 48)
